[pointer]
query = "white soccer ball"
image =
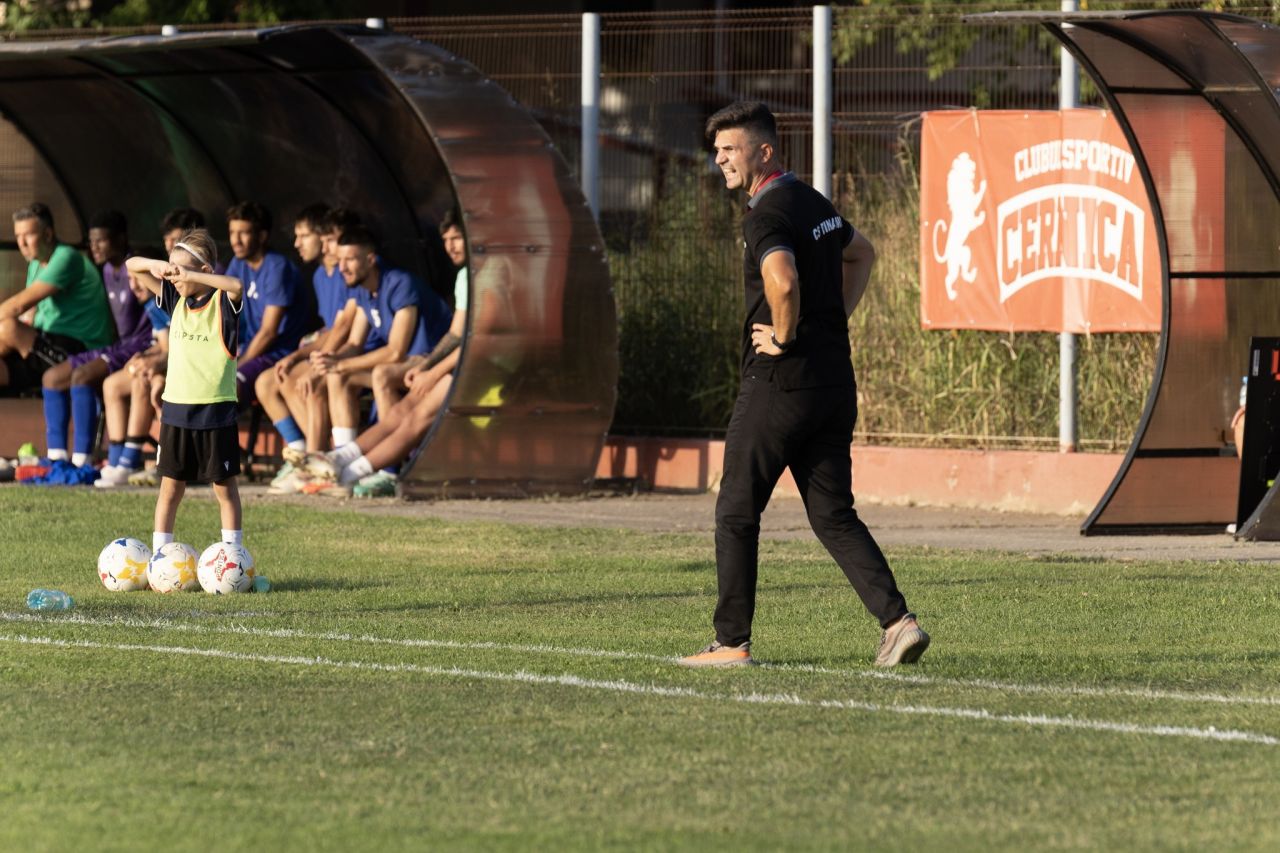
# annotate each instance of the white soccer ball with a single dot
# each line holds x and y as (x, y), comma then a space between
(173, 568)
(122, 565)
(225, 569)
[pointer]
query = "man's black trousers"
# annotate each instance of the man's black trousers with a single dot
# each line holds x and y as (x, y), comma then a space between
(809, 431)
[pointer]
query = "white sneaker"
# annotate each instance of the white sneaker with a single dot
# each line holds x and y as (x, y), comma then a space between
(113, 475)
(289, 484)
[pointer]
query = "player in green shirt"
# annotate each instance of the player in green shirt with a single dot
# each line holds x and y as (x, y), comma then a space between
(71, 313)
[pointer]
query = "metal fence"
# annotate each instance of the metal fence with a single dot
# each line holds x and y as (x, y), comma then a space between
(670, 226)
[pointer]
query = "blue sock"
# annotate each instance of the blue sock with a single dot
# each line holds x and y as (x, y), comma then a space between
(289, 429)
(114, 449)
(84, 410)
(57, 415)
(393, 470)
(131, 454)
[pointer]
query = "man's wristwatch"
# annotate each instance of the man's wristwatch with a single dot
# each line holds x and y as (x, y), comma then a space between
(773, 338)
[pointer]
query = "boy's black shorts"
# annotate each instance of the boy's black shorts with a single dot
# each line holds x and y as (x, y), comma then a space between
(50, 349)
(198, 455)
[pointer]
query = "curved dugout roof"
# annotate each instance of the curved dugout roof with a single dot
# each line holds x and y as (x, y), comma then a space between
(1198, 95)
(399, 130)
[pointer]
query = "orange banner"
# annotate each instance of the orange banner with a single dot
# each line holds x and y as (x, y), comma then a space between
(1034, 221)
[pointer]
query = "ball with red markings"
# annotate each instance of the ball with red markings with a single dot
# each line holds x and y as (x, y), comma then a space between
(225, 569)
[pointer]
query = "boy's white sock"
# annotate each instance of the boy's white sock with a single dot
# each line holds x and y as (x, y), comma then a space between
(56, 453)
(355, 471)
(233, 537)
(345, 455)
(159, 540)
(300, 444)
(79, 459)
(343, 435)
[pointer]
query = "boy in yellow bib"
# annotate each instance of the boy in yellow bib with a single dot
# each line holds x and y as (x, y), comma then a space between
(199, 442)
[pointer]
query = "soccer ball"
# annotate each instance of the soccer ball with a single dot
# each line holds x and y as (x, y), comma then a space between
(122, 565)
(173, 568)
(225, 569)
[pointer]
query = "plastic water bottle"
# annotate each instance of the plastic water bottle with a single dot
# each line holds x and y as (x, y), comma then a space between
(48, 599)
(1244, 389)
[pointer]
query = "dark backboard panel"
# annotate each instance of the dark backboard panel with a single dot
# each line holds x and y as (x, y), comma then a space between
(399, 130)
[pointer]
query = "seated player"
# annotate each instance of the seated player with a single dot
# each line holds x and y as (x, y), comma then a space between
(71, 388)
(64, 302)
(292, 393)
(127, 396)
(177, 222)
(389, 379)
(398, 318)
(359, 467)
(273, 318)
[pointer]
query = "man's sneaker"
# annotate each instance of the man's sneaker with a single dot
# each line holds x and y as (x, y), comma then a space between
(319, 466)
(718, 654)
(289, 482)
(379, 484)
(112, 476)
(296, 458)
(902, 642)
(326, 489)
(147, 478)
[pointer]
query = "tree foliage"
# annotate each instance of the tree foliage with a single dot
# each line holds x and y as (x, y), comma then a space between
(26, 15)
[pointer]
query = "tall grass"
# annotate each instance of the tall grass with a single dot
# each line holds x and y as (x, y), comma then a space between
(678, 280)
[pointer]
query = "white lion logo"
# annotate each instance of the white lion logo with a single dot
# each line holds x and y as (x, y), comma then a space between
(963, 202)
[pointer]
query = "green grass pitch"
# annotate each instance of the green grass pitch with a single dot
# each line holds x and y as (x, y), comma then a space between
(416, 684)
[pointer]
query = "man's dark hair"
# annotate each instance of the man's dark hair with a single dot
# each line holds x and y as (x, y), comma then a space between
(751, 116)
(112, 220)
(339, 219)
(252, 212)
(35, 210)
(184, 218)
(313, 216)
(451, 219)
(358, 235)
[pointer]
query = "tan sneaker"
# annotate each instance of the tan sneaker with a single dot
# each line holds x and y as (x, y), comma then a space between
(902, 642)
(318, 466)
(146, 478)
(718, 654)
(296, 458)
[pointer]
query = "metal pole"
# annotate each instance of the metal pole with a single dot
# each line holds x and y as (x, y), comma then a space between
(590, 173)
(822, 99)
(1068, 98)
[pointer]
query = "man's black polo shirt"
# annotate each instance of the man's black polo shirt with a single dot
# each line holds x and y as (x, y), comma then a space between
(787, 214)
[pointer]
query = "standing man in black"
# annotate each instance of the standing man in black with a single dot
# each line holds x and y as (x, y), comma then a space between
(806, 270)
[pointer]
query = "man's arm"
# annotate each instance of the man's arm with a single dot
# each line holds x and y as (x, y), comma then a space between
(26, 299)
(856, 261)
(261, 342)
(782, 292)
(404, 324)
(450, 342)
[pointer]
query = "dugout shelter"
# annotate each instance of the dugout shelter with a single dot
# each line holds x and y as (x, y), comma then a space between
(1198, 96)
(397, 129)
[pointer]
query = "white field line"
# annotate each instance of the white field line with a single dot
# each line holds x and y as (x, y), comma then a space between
(616, 686)
(569, 651)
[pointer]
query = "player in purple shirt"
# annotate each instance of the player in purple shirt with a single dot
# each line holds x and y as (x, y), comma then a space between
(71, 389)
(130, 395)
(274, 319)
